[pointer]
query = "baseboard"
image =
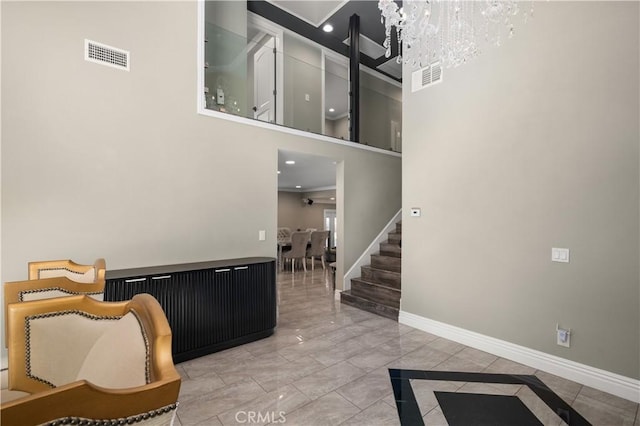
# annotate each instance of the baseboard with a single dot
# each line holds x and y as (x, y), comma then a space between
(336, 294)
(615, 384)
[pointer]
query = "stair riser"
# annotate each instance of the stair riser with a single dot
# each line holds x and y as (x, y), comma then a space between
(391, 279)
(399, 228)
(367, 305)
(394, 237)
(381, 295)
(388, 249)
(386, 263)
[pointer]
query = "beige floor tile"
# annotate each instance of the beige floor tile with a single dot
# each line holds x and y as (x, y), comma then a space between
(329, 379)
(490, 388)
(447, 346)
(537, 406)
(248, 368)
(287, 373)
(346, 332)
(265, 409)
(378, 414)
(435, 417)
(565, 389)
(423, 391)
(456, 363)
(305, 348)
(621, 405)
(211, 404)
(598, 412)
(215, 362)
(424, 358)
(341, 352)
(332, 409)
(505, 366)
(201, 385)
(477, 356)
(368, 389)
(375, 358)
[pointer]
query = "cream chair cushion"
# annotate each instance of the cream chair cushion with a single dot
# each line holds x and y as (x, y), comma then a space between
(118, 359)
(87, 277)
(58, 344)
(8, 395)
(39, 294)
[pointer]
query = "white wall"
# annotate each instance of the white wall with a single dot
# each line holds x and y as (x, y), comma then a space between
(98, 162)
(533, 145)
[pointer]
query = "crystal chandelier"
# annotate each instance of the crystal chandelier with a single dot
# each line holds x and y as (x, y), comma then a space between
(446, 31)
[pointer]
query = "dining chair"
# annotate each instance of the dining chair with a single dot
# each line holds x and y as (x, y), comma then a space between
(298, 250)
(318, 247)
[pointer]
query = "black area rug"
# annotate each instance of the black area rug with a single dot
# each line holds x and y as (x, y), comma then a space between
(466, 409)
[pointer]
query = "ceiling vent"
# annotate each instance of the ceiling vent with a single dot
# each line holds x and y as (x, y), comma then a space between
(425, 77)
(106, 55)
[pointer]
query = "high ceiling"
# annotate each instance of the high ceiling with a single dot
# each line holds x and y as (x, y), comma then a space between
(307, 17)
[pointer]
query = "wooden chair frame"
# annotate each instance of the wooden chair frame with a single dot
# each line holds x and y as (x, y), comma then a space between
(81, 398)
(70, 265)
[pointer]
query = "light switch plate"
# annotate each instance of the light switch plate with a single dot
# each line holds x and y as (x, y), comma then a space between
(560, 255)
(262, 235)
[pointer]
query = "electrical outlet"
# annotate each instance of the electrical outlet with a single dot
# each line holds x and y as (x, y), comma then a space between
(563, 337)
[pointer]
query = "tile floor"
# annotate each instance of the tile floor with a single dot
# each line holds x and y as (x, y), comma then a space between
(327, 364)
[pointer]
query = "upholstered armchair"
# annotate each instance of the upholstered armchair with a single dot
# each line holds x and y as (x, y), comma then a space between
(75, 360)
(56, 278)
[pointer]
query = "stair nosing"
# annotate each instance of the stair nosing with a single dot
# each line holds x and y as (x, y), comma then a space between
(381, 270)
(376, 284)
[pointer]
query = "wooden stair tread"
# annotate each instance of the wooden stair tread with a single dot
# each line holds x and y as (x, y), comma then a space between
(376, 284)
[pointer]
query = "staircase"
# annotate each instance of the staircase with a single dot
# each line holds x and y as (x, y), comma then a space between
(377, 290)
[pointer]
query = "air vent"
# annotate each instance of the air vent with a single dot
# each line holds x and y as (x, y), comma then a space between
(106, 55)
(425, 77)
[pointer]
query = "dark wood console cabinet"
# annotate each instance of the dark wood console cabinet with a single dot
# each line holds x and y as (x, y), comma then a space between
(210, 306)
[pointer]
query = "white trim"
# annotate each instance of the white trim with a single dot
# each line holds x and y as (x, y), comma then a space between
(289, 130)
(615, 384)
(270, 28)
(337, 294)
(200, 95)
(365, 257)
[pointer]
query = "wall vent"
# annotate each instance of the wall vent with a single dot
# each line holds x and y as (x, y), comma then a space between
(106, 55)
(425, 77)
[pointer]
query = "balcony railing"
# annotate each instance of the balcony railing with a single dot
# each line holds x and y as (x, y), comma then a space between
(290, 82)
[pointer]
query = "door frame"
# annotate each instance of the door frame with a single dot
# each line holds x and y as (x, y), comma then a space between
(273, 30)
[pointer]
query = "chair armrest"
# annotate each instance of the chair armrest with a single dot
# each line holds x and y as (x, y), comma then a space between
(82, 399)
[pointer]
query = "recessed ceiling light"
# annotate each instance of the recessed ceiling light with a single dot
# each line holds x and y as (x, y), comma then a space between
(332, 110)
(332, 198)
(278, 171)
(290, 162)
(298, 187)
(327, 28)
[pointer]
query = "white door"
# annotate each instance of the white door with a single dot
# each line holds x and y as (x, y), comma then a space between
(331, 225)
(264, 83)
